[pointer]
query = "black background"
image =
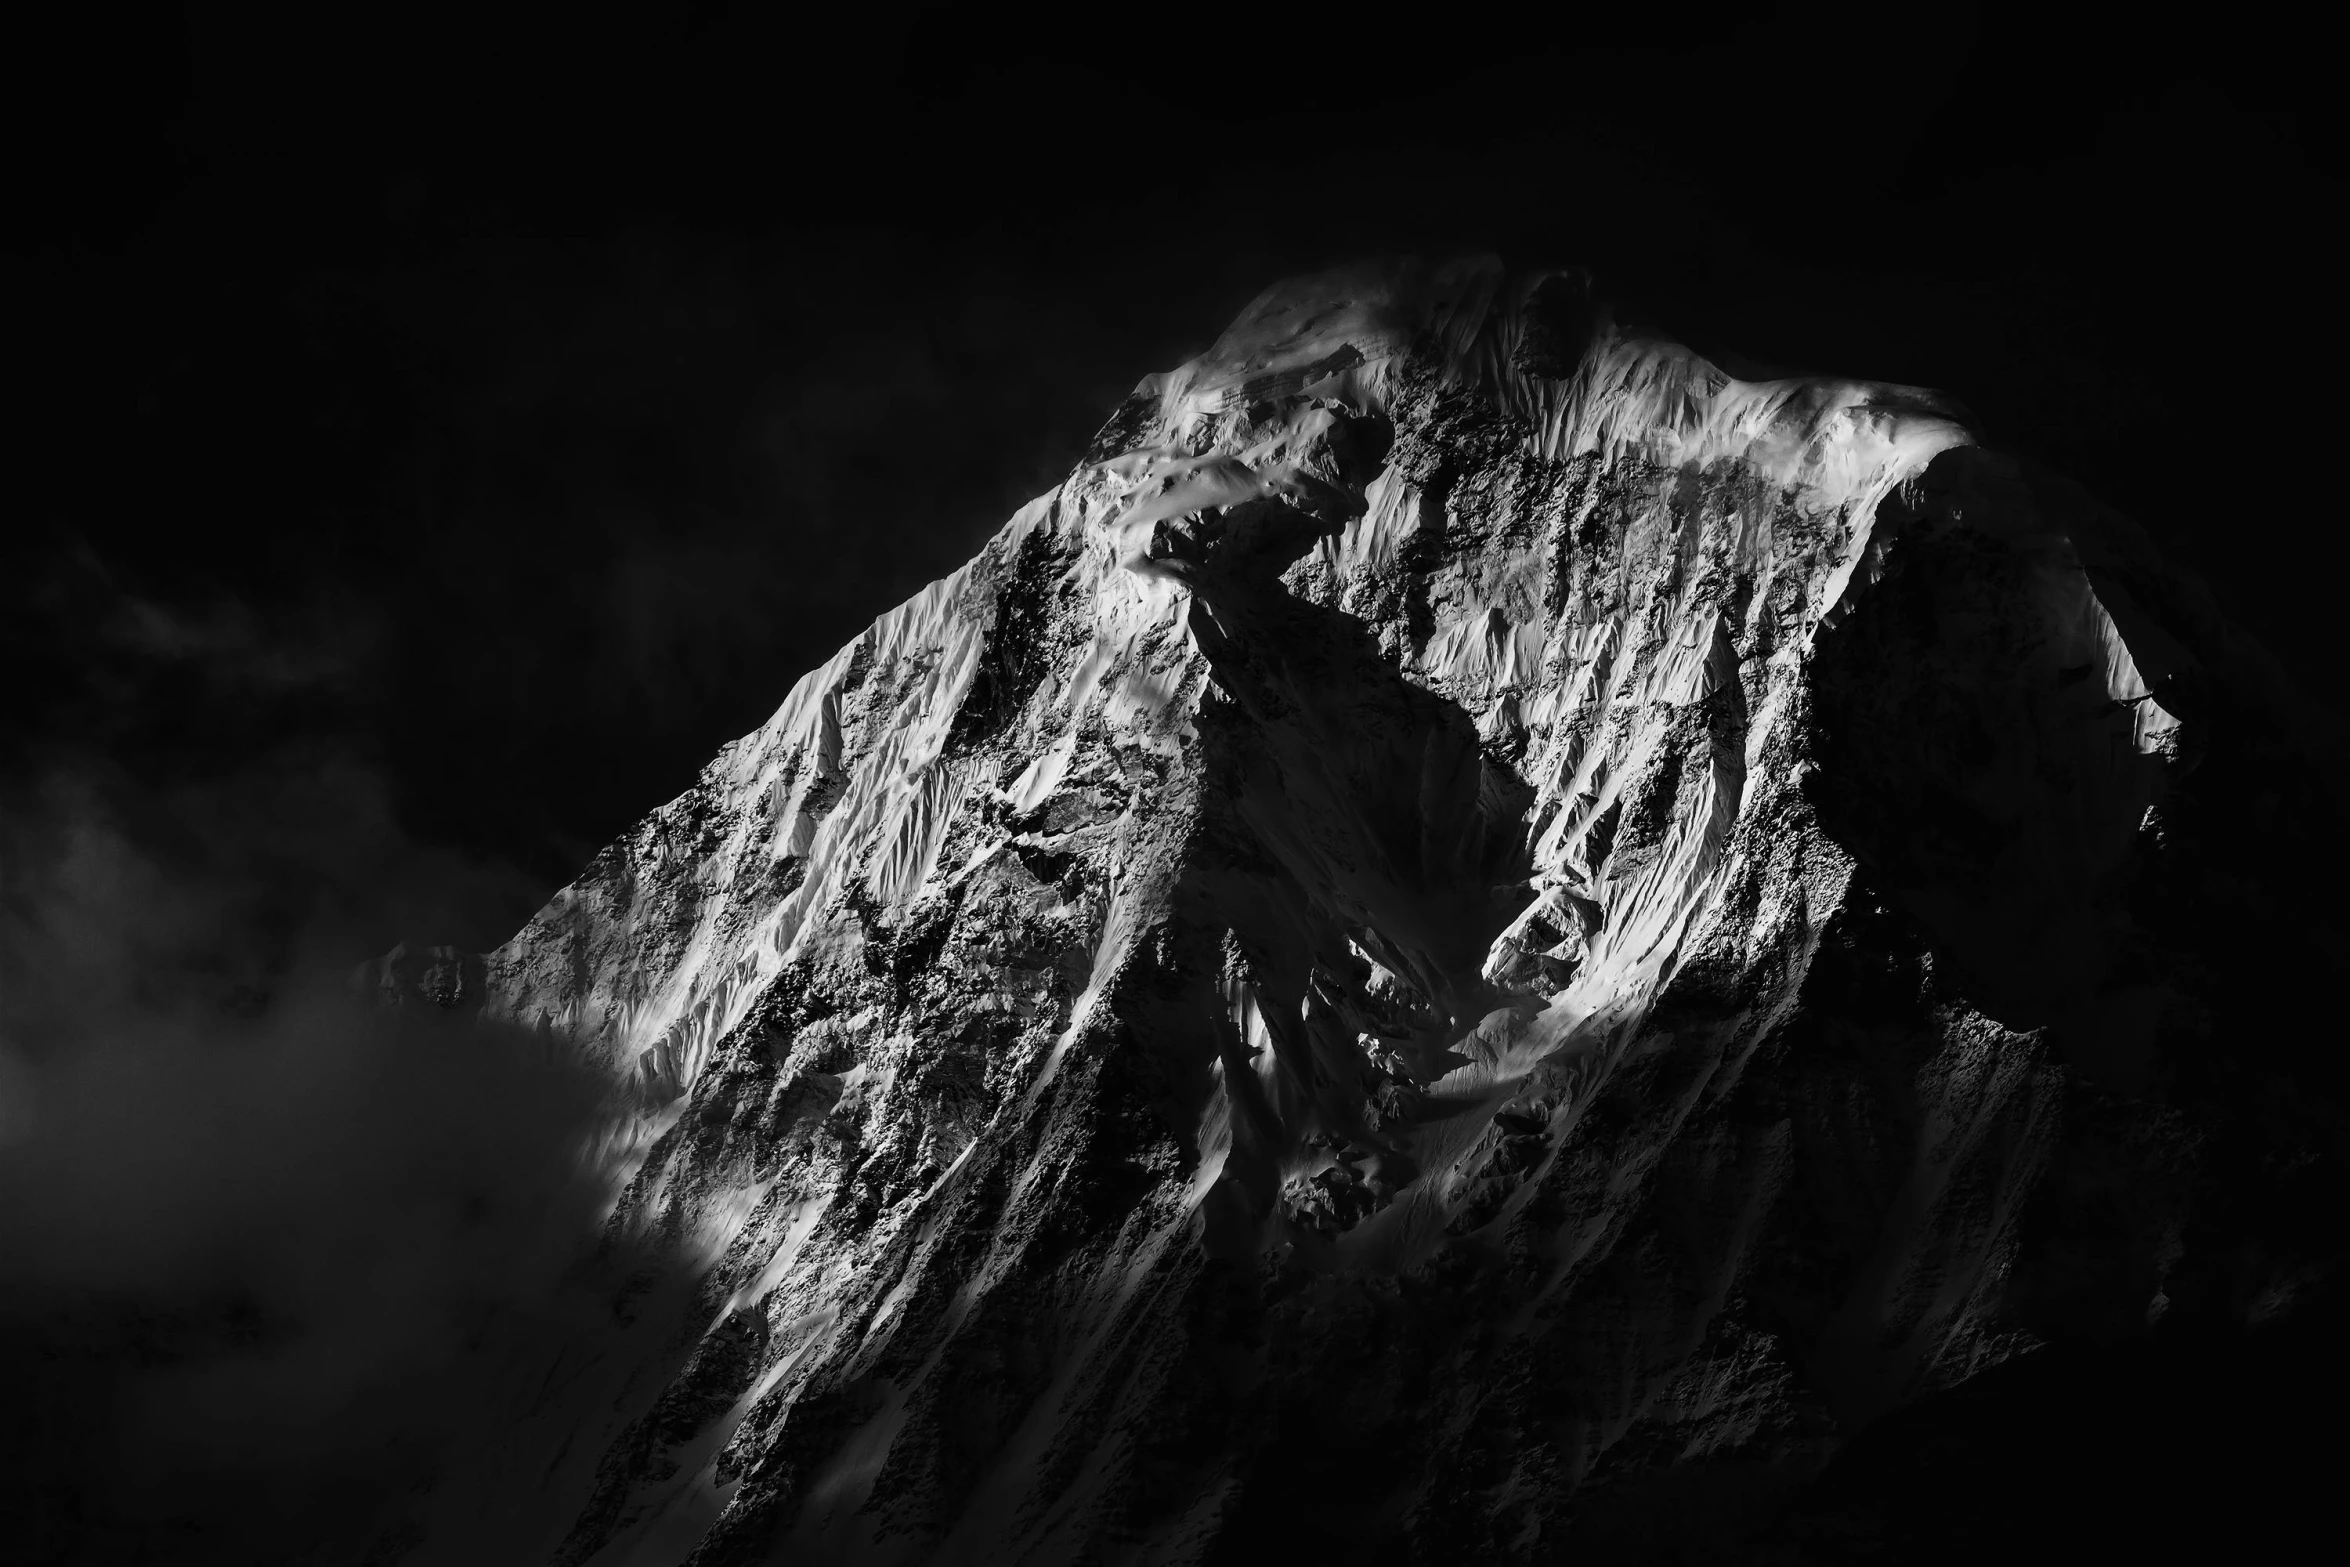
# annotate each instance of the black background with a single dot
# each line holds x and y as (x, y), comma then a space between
(430, 439)
(513, 413)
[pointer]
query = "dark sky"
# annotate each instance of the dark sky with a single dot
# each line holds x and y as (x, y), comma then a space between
(432, 440)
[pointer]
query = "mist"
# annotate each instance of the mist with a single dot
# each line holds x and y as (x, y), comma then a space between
(266, 1238)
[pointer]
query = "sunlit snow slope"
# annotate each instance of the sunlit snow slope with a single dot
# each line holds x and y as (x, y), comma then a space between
(1473, 928)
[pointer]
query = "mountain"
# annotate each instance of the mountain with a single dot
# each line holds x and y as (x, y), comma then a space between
(1477, 936)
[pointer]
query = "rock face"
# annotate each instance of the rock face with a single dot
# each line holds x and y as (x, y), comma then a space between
(1475, 931)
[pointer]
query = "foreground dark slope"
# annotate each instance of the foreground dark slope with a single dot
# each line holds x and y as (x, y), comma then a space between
(1476, 933)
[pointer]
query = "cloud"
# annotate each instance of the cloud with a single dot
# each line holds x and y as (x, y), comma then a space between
(261, 1237)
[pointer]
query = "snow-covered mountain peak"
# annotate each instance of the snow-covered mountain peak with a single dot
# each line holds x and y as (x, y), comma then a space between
(1468, 879)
